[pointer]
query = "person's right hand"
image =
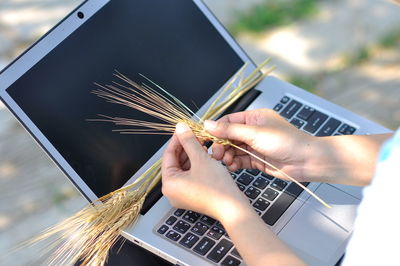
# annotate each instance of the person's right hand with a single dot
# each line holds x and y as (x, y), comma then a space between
(265, 133)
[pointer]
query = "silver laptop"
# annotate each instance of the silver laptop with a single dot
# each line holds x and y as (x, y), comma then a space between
(181, 46)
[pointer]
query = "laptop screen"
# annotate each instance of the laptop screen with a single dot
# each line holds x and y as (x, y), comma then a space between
(171, 42)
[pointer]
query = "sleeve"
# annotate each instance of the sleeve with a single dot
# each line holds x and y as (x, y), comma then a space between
(376, 235)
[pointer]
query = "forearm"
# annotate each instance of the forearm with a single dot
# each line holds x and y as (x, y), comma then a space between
(255, 241)
(346, 160)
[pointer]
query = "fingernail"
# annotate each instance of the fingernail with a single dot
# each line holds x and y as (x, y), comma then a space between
(182, 128)
(210, 125)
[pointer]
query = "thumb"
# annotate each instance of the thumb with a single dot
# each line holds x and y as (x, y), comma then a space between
(188, 141)
(231, 131)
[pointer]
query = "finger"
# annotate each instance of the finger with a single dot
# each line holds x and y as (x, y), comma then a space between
(183, 157)
(229, 156)
(170, 158)
(189, 141)
(233, 167)
(186, 165)
(205, 149)
(238, 118)
(247, 162)
(218, 151)
(231, 131)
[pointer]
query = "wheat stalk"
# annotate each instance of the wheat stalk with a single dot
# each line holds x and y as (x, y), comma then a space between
(90, 233)
(171, 111)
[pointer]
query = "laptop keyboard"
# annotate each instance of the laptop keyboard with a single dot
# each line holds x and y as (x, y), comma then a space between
(269, 196)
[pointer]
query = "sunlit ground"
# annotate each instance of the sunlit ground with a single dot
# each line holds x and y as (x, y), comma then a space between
(339, 55)
(34, 194)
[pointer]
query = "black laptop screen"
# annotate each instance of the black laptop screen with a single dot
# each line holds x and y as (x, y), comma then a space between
(171, 42)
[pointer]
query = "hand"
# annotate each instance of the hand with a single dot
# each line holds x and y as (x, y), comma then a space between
(195, 181)
(264, 133)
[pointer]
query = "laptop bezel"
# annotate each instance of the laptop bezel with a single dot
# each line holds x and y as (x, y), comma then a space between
(51, 40)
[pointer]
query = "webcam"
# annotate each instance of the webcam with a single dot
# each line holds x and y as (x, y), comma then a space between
(80, 15)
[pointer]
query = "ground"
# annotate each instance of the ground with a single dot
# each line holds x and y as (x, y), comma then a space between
(322, 54)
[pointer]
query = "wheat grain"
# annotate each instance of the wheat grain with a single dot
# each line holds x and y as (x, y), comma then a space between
(89, 234)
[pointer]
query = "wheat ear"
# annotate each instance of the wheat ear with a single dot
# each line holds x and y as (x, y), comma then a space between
(89, 234)
(171, 110)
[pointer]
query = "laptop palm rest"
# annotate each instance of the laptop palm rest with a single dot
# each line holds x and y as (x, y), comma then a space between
(314, 234)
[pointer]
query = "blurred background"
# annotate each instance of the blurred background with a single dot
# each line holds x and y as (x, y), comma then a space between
(347, 51)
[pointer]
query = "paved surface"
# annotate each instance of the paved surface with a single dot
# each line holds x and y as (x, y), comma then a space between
(34, 193)
(371, 89)
(340, 29)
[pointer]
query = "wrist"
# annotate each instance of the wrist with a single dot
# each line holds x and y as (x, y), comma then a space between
(234, 211)
(348, 159)
(318, 160)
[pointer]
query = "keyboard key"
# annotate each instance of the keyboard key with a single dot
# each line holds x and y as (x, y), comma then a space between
(291, 109)
(179, 212)
(181, 227)
(240, 186)
(315, 121)
(204, 246)
(191, 216)
(270, 194)
(260, 183)
(199, 228)
(245, 179)
(236, 253)
(216, 232)
(230, 261)
(219, 225)
(253, 171)
(207, 220)
(189, 240)
(174, 236)
(279, 184)
(261, 204)
(278, 107)
(282, 204)
(297, 123)
(252, 192)
(171, 220)
(238, 171)
(163, 229)
(233, 176)
(328, 128)
(285, 100)
(267, 176)
(278, 208)
(345, 129)
(294, 190)
(306, 112)
(220, 250)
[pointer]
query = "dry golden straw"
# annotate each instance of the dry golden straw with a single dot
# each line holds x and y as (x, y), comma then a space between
(88, 235)
(171, 111)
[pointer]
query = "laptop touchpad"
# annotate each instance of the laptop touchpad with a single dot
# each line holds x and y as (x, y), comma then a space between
(316, 231)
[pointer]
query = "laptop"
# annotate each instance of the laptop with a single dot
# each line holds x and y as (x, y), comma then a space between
(181, 46)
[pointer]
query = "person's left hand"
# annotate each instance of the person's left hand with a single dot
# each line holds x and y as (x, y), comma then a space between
(193, 180)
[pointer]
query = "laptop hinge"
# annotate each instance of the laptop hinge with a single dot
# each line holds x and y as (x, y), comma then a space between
(151, 199)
